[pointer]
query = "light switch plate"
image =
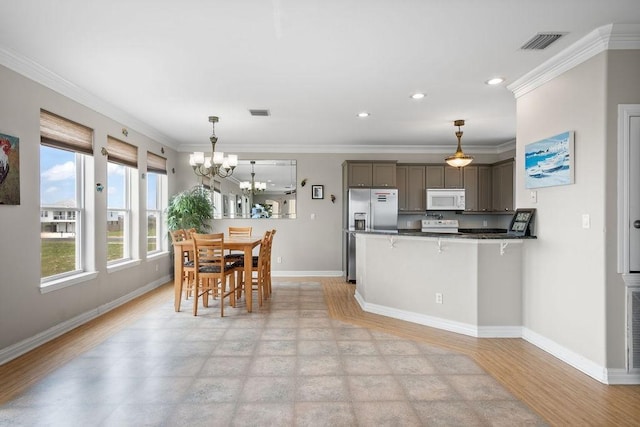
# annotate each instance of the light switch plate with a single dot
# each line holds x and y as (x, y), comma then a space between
(586, 221)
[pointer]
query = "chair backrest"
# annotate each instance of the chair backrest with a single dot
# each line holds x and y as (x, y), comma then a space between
(239, 231)
(188, 232)
(264, 245)
(208, 248)
(178, 236)
(263, 254)
(270, 244)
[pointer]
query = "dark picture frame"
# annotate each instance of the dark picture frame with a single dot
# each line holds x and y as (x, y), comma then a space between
(9, 170)
(521, 222)
(317, 191)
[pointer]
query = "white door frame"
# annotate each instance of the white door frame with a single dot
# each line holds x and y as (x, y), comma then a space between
(625, 112)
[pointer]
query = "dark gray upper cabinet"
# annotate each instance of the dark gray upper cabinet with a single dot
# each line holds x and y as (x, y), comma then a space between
(359, 174)
(477, 183)
(371, 174)
(384, 174)
(453, 177)
(502, 186)
(434, 176)
(411, 182)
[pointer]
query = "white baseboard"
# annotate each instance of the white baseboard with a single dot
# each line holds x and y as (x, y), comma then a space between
(622, 377)
(439, 323)
(24, 346)
(595, 371)
(570, 357)
(499, 332)
(327, 273)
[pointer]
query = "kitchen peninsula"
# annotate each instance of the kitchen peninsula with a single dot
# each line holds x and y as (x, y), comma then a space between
(465, 283)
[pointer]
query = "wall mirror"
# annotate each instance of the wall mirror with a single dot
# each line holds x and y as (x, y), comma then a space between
(257, 189)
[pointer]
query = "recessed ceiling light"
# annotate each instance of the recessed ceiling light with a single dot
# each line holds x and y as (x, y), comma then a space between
(418, 95)
(494, 81)
(363, 114)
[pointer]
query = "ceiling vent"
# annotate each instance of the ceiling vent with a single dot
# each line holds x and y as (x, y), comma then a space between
(541, 41)
(260, 113)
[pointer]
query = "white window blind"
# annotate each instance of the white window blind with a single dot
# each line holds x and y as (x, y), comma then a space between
(121, 152)
(156, 164)
(58, 132)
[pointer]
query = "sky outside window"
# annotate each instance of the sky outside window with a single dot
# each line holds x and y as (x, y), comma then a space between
(57, 177)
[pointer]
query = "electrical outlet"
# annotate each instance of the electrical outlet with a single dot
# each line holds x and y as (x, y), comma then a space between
(484, 223)
(279, 260)
(157, 267)
(533, 196)
(438, 298)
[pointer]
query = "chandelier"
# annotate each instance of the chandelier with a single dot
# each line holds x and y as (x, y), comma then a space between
(254, 187)
(459, 159)
(217, 163)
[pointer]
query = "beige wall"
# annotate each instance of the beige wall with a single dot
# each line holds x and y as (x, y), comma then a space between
(623, 87)
(564, 284)
(24, 311)
(572, 294)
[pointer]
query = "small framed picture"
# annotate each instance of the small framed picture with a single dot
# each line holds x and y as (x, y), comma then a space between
(317, 191)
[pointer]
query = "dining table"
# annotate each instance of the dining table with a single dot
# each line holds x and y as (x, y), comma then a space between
(234, 243)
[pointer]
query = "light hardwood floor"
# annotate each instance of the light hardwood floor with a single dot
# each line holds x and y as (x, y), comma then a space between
(557, 392)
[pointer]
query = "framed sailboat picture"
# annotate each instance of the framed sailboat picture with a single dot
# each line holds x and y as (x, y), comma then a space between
(550, 162)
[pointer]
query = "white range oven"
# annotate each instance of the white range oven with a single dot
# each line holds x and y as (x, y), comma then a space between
(440, 225)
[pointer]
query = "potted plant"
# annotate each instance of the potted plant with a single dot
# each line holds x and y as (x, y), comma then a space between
(190, 209)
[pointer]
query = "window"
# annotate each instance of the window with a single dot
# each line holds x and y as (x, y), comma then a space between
(66, 148)
(121, 167)
(156, 201)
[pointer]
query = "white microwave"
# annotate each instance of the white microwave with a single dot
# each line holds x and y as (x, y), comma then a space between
(445, 199)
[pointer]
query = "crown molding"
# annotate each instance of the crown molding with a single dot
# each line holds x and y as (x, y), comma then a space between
(608, 37)
(39, 74)
(343, 149)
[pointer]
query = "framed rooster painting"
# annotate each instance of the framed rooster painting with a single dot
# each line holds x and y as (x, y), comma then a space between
(9, 170)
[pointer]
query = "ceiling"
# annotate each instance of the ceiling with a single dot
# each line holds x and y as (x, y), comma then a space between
(165, 66)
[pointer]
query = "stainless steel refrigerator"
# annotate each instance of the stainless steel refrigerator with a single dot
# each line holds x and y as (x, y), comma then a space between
(368, 209)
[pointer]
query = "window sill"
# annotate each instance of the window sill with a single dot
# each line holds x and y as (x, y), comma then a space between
(122, 265)
(65, 282)
(155, 255)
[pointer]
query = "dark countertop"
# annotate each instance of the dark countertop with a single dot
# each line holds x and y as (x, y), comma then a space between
(464, 233)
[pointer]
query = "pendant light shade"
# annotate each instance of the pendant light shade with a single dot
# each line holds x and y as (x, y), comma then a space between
(459, 159)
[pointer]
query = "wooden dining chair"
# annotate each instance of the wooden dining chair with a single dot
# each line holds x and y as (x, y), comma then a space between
(211, 271)
(188, 267)
(258, 266)
(237, 232)
(267, 268)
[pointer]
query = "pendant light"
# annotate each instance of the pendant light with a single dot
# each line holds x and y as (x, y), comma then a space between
(459, 159)
(216, 163)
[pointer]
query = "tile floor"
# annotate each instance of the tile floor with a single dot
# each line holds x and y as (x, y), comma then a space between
(286, 364)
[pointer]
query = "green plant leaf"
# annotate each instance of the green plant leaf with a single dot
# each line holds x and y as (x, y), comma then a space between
(190, 209)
